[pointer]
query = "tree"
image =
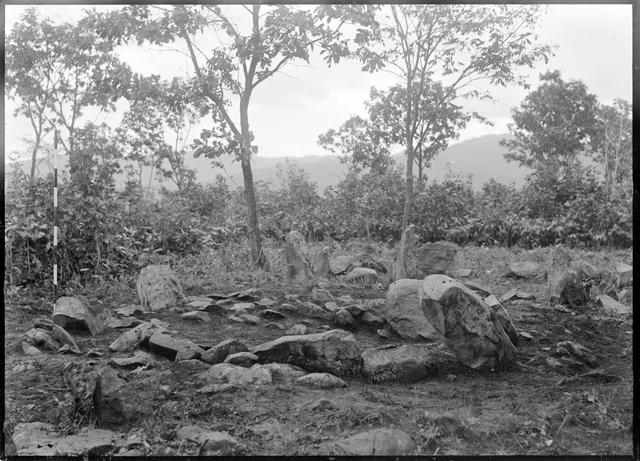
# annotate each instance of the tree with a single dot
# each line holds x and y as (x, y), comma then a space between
(239, 63)
(553, 125)
(368, 143)
(58, 71)
(362, 144)
(613, 143)
(455, 44)
(156, 129)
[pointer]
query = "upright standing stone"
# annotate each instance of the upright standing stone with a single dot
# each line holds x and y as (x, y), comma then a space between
(298, 268)
(158, 287)
(320, 264)
(436, 258)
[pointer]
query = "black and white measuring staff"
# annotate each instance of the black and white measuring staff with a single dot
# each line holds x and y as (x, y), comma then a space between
(55, 219)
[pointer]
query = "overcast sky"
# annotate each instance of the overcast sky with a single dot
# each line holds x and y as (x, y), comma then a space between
(289, 111)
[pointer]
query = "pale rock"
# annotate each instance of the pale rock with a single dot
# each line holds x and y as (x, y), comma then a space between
(406, 363)
(525, 269)
(334, 351)
(436, 258)
(363, 275)
(243, 359)
(73, 313)
(343, 318)
(140, 358)
(310, 309)
(321, 380)
(403, 312)
(321, 296)
(173, 348)
(158, 287)
(196, 315)
(613, 307)
(220, 351)
(297, 329)
(28, 349)
(272, 314)
(379, 442)
(237, 375)
(340, 264)
(41, 339)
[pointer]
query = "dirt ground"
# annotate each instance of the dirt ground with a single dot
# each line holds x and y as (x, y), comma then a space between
(531, 410)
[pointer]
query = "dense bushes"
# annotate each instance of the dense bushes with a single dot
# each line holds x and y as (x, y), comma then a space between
(105, 232)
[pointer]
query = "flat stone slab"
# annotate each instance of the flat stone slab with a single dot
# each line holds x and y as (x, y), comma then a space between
(41, 439)
(334, 351)
(321, 380)
(173, 348)
(407, 363)
(237, 375)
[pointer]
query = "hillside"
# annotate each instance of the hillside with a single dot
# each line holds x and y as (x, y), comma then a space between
(481, 157)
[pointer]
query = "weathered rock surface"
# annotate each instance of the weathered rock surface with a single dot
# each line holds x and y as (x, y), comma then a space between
(321, 380)
(624, 274)
(72, 313)
(566, 287)
(42, 439)
(297, 329)
(613, 307)
(237, 375)
(363, 275)
(272, 314)
(320, 295)
(212, 443)
(310, 309)
(371, 320)
(282, 372)
(380, 442)
(575, 350)
(320, 264)
(340, 264)
(200, 316)
(140, 358)
(243, 359)
(403, 312)
(406, 363)
(220, 351)
(436, 258)
(130, 310)
(158, 287)
(296, 256)
(334, 351)
(133, 338)
(40, 338)
(503, 317)
(173, 348)
(58, 333)
(525, 270)
(343, 318)
(467, 325)
(28, 349)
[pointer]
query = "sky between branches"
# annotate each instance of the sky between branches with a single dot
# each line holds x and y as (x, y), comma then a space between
(289, 111)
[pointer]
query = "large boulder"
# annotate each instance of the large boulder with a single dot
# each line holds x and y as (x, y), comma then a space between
(334, 351)
(131, 339)
(158, 287)
(406, 363)
(524, 270)
(380, 442)
(73, 313)
(436, 258)
(467, 325)
(296, 256)
(403, 312)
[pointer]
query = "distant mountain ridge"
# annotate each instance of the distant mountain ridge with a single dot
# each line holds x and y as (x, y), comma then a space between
(481, 157)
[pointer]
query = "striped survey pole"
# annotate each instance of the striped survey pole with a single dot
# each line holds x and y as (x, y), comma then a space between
(55, 219)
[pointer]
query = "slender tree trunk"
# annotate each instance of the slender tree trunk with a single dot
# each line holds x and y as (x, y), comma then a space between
(401, 258)
(257, 254)
(34, 154)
